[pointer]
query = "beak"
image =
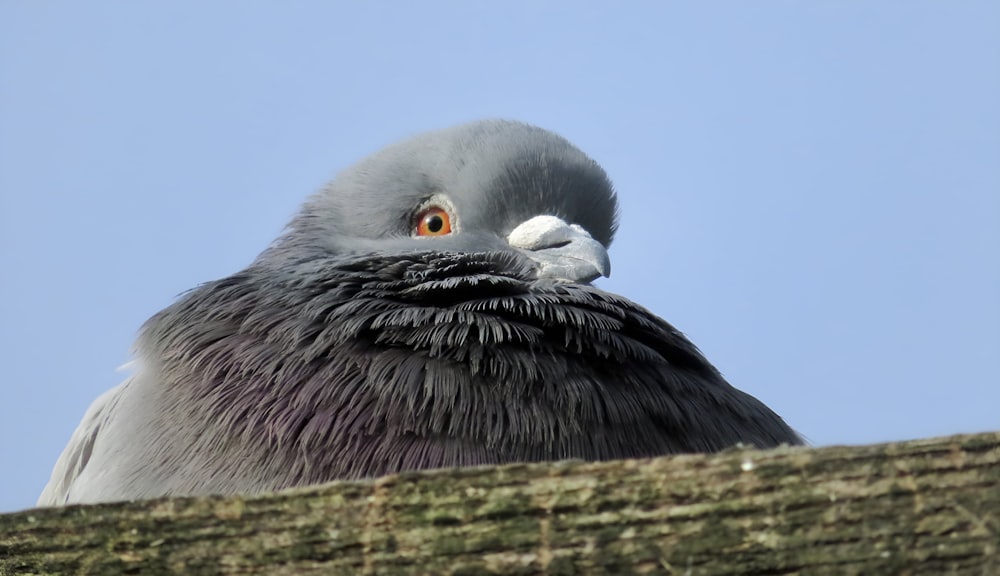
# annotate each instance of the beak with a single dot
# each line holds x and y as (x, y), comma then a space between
(563, 252)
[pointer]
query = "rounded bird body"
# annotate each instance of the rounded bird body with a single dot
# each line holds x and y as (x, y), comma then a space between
(430, 308)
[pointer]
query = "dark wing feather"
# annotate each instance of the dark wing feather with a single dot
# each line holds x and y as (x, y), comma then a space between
(329, 369)
(380, 364)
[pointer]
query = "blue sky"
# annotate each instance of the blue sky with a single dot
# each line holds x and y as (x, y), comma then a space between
(811, 191)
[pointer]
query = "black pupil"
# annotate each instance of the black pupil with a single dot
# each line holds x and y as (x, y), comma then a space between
(435, 223)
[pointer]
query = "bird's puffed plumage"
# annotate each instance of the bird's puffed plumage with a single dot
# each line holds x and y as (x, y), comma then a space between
(351, 348)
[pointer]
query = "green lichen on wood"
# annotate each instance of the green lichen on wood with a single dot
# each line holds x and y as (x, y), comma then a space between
(921, 507)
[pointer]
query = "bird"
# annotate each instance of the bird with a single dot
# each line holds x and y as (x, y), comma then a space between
(433, 306)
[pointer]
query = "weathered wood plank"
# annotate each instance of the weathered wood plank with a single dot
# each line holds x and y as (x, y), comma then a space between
(921, 507)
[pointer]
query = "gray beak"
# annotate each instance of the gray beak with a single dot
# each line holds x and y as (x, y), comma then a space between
(562, 251)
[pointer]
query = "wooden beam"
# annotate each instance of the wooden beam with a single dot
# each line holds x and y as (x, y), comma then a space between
(919, 507)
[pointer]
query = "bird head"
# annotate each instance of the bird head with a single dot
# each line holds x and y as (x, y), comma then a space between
(488, 186)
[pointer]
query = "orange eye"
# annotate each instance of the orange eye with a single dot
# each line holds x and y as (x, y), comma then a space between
(433, 221)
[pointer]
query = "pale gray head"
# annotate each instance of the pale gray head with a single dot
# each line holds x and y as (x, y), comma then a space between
(484, 186)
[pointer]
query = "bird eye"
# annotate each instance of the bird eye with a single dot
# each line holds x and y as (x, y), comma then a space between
(433, 221)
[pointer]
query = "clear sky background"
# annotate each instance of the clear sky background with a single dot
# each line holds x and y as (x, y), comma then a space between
(810, 190)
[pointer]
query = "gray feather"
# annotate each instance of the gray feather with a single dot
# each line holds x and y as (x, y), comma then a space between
(351, 349)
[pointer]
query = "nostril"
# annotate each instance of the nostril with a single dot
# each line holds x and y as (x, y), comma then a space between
(540, 233)
(556, 245)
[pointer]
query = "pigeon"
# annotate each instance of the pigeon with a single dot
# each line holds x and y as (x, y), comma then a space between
(431, 307)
